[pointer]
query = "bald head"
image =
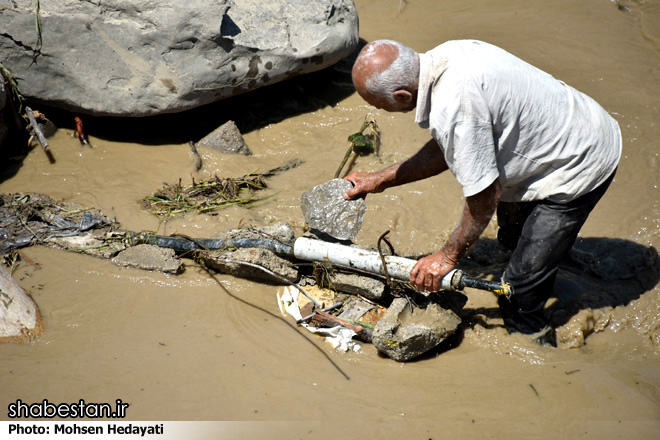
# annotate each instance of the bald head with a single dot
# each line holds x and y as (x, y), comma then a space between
(386, 75)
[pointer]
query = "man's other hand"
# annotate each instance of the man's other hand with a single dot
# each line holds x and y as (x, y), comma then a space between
(427, 274)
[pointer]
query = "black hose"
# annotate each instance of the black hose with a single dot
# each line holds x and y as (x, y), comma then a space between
(184, 244)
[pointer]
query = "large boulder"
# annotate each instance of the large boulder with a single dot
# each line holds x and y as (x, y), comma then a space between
(146, 57)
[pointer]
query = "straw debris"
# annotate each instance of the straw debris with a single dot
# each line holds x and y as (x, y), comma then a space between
(206, 196)
(211, 195)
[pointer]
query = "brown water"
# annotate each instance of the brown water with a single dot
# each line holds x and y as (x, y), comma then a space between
(190, 347)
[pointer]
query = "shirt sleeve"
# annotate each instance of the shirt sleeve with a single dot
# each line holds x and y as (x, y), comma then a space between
(470, 154)
(461, 122)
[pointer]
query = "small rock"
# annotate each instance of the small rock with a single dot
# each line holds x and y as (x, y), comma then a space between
(262, 257)
(361, 285)
(227, 139)
(354, 309)
(403, 335)
(325, 209)
(149, 257)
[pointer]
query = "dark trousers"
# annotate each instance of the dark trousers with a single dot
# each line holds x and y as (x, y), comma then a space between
(540, 233)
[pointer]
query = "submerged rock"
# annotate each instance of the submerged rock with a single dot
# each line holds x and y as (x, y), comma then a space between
(227, 139)
(142, 57)
(325, 209)
(356, 284)
(403, 334)
(148, 257)
(261, 257)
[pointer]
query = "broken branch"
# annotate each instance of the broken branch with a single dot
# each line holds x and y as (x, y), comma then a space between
(36, 129)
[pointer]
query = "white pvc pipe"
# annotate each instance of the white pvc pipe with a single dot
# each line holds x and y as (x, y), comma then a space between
(315, 250)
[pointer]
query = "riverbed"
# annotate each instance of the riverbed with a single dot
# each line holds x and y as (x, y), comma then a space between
(216, 348)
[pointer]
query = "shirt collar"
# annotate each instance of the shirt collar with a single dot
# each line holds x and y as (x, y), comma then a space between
(430, 70)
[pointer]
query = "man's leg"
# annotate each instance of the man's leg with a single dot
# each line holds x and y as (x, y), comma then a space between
(548, 233)
(511, 217)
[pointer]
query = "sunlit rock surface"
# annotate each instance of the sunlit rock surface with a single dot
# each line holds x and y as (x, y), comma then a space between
(144, 57)
(326, 210)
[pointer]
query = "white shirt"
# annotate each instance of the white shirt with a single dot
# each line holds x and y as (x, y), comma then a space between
(498, 117)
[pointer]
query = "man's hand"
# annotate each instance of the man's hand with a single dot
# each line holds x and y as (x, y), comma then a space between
(363, 184)
(427, 274)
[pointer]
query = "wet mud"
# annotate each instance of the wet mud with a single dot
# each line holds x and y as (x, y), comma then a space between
(196, 346)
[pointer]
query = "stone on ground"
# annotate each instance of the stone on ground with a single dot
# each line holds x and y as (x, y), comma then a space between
(326, 210)
(261, 257)
(403, 335)
(149, 257)
(227, 139)
(356, 284)
(20, 320)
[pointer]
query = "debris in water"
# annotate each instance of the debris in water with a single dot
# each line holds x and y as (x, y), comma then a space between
(36, 129)
(80, 132)
(534, 389)
(210, 195)
(361, 143)
(205, 196)
(196, 156)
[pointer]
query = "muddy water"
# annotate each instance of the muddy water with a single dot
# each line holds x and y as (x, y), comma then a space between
(191, 347)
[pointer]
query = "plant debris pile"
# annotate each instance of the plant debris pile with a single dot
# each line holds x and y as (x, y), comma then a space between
(213, 194)
(205, 196)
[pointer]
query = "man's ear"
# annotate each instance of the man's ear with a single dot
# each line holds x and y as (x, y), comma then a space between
(403, 96)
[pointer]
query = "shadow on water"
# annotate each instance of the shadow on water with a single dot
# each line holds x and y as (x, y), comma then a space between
(600, 272)
(250, 111)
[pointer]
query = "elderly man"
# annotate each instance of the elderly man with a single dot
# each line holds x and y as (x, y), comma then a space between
(519, 142)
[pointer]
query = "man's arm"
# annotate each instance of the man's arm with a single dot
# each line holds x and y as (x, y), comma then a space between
(477, 212)
(427, 162)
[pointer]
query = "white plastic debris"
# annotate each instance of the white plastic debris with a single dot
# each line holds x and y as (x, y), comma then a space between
(340, 337)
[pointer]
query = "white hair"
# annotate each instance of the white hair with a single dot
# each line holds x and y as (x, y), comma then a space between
(403, 73)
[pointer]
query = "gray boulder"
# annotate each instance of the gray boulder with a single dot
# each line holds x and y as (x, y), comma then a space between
(227, 139)
(224, 262)
(356, 284)
(402, 334)
(20, 320)
(141, 57)
(326, 210)
(148, 257)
